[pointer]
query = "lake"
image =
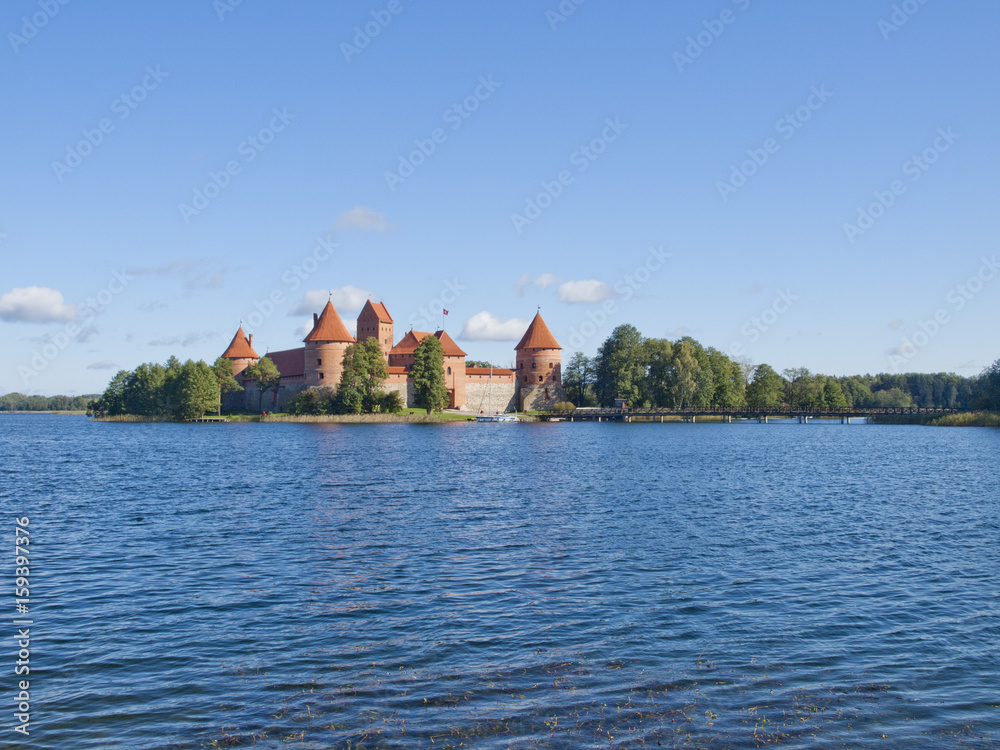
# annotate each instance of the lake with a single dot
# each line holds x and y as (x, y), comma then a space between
(490, 585)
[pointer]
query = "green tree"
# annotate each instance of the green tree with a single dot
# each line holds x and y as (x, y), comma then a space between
(833, 395)
(143, 393)
(266, 374)
(659, 381)
(113, 400)
(621, 366)
(196, 390)
(427, 372)
(765, 390)
(372, 374)
(728, 390)
(987, 389)
(222, 369)
(796, 380)
(685, 374)
(349, 398)
(578, 378)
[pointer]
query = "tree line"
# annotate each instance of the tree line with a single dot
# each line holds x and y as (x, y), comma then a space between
(20, 402)
(658, 373)
(172, 391)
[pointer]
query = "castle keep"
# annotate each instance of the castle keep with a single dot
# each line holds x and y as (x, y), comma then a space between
(534, 384)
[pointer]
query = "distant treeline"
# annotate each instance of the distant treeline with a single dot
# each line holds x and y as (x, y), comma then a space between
(20, 402)
(648, 372)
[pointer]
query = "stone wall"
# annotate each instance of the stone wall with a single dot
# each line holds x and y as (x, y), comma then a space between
(504, 395)
(404, 389)
(248, 398)
(541, 397)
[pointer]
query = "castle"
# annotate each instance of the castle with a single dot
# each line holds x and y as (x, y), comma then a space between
(534, 384)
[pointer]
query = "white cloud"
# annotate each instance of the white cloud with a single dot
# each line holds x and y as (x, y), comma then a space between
(362, 218)
(195, 274)
(105, 365)
(585, 291)
(35, 304)
(542, 282)
(546, 280)
(346, 299)
(485, 326)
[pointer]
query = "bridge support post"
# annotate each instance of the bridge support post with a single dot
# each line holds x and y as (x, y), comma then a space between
(693, 419)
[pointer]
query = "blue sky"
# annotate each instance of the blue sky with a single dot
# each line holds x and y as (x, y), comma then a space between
(804, 184)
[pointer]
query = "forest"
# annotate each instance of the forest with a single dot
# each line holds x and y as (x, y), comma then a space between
(658, 373)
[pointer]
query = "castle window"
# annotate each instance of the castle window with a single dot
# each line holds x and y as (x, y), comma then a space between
(520, 365)
(525, 378)
(534, 365)
(449, 371)
(539, 378)
(319, 361)
(550, 365)
(321, 376)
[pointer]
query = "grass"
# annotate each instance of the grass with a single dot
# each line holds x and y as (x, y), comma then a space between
(968, 419)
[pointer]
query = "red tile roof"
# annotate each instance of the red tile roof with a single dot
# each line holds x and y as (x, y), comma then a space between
(379, 309)
(291, 363)
(240, 347)
(329, 327)
(486, 371)
(538, 336)
(450, 347)
(409, 343)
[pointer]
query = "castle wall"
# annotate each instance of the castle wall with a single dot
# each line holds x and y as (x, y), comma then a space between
(250, 399)
(478, 391)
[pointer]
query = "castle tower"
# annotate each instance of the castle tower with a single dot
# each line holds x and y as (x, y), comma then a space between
(539, 367)
(241, 352)
(325, 347)
(375, 322)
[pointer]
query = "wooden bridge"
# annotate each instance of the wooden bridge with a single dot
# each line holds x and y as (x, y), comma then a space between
(586, 414)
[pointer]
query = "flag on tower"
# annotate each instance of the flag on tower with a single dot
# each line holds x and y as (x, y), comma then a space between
(445, 312)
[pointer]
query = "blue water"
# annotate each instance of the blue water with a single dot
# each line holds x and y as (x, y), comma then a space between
(502, 586)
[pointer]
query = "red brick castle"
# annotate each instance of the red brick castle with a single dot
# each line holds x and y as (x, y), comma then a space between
(535, 384)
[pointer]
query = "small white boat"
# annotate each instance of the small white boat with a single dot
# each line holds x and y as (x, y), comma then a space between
(497, 417)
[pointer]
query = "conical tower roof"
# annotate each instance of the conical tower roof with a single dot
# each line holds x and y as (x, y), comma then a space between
(240, 347)
(329, 327)
(538, 336)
